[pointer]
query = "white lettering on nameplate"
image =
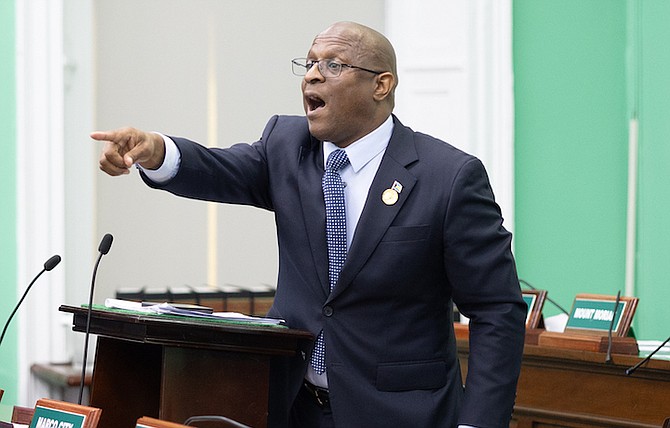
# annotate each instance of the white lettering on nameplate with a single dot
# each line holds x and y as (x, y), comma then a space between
(584, 313)
(43, 422)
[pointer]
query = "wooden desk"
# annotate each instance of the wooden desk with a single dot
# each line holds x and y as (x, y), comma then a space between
(568, 388)
(173, 369)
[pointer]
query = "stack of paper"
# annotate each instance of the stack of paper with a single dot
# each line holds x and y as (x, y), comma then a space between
(166, 308)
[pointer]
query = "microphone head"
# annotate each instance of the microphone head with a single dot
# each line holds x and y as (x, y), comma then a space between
(105, 244)
(52, 262)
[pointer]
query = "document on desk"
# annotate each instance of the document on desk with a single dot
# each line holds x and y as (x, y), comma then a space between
(166, 308)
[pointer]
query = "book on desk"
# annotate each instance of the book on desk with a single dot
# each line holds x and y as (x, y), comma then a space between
(250, 300)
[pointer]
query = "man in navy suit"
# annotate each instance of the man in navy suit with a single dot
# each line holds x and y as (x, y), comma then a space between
(422, 231)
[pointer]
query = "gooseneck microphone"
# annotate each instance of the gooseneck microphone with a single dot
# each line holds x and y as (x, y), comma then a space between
(48, 265)
(103, 248)
(631, 370)
(527, 284)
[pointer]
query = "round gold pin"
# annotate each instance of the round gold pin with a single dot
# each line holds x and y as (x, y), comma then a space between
(390, 197)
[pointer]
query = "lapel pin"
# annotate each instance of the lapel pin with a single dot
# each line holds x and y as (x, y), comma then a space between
(390, 197)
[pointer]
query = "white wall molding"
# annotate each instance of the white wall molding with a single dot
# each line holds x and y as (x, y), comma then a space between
(40, 183)
(456, 81)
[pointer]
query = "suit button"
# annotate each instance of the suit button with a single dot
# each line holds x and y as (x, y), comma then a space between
(328, 311)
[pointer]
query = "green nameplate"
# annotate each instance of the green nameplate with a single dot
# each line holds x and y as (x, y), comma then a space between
(596, 315)
(530, 301)
(50, 418)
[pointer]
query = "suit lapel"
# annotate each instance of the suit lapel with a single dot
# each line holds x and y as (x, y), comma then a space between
(313, 208)
(377, 216)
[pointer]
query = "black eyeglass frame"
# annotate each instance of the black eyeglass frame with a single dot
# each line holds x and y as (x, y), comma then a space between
(306, 64)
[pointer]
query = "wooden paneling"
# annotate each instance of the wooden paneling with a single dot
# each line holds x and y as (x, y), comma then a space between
(571, 388)
(174, 369)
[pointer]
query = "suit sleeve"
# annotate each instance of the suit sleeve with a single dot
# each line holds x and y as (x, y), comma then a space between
(482, 272)
(237, 175)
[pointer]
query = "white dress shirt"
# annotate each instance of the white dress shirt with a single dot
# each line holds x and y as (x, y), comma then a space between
(365, 156)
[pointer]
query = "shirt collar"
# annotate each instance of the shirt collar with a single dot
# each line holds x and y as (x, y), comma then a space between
(362, 151)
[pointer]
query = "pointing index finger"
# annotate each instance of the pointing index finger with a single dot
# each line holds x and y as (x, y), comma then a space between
(103, 136)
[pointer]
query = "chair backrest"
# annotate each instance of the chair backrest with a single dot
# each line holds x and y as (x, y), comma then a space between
(22, 415)
(147, 422)
(221, 421)
(666, 424)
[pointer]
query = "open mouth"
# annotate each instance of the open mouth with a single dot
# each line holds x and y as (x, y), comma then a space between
(314, 102)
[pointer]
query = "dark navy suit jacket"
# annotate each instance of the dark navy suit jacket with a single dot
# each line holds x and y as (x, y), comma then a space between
(391, 351)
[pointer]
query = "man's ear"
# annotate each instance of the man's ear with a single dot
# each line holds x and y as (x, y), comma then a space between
(385, 86)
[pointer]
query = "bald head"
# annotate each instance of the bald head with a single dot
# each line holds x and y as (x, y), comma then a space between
(370, 45)
(371, 48)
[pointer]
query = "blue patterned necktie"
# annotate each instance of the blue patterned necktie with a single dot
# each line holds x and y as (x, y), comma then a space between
(336, 234)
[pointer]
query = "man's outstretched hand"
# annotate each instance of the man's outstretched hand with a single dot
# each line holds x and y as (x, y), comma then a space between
(127, 146)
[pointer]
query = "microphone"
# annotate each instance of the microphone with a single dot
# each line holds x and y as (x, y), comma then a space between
(631, 370)
(51, 263)
(48, 265)
(103, 248)
(608, 358)
(527, 284)
(105, 244)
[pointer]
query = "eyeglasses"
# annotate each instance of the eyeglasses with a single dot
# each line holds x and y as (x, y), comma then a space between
(327, 67)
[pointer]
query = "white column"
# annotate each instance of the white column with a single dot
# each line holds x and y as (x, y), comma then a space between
(40, 182)
(456, 81)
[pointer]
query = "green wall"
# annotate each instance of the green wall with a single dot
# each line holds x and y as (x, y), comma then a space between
(575, 63)
(8, 358)
(653, 266)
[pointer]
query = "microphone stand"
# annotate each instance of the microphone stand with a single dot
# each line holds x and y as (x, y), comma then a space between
(631, 370)
(526, 283)
(105, 244)
(48, 265)
(608, 358)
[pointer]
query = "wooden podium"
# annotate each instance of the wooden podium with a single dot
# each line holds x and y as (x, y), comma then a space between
(173, 369)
